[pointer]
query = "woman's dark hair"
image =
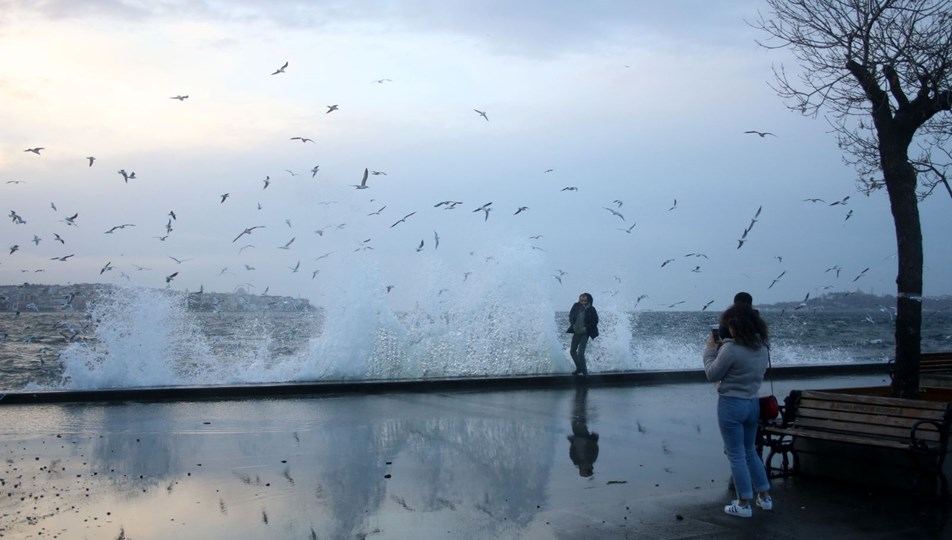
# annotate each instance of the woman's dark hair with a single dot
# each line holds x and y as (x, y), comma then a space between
(591, 301)
(749, 329)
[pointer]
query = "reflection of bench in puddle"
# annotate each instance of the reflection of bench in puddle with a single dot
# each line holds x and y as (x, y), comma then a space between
(857, 431)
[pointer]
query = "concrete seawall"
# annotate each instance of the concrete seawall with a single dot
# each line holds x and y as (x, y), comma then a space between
(514, 382)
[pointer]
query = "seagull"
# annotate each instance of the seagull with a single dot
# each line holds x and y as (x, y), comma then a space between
(36, 240)
(673, 206)
(841, 201)
(125, 175)
(71, 220)
(91, 160)
(35, 150)
(331, 108)
(848, 215)
(618, 202)
(106, 268)
(291, 172)
(63, 258)
(614, 212)
(804, 303)
(170, 277)
(363, 181)
(14, 248)
(178, 261)
(665, 263)
(639, 299)
(482, 113)
(547, 171)
(314, 171)
(377, 213)
(449, 204)
(376, 173)
(436, 240)
(294, 268)
(814, 200)
(58, 239)
(569, 188)
(223, 197)
(123, 226)
(776, 279)
(180, 97)
(520, 210)
(244, 247)
(314, 273)
(281, 69)
(706, 305)
(420, 247)
(267, 182)
(861, 274)
(172, 214)
(302, 139)
(246, 231)
(761, 133)
(401, 220)
(380, 81)
(288, 245)
(836, 268)
(628, 230)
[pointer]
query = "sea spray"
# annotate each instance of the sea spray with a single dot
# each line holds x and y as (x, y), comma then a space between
(496, 321)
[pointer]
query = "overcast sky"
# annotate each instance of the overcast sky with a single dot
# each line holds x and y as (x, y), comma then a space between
(645, 105)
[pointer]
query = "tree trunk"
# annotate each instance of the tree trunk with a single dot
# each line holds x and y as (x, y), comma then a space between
(901, 184)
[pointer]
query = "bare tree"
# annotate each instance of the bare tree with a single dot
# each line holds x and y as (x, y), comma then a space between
(879, 71)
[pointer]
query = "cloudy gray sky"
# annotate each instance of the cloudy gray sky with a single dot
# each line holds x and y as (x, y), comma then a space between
(643, 104)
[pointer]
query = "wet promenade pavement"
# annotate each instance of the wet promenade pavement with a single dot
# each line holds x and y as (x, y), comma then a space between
(461, 463)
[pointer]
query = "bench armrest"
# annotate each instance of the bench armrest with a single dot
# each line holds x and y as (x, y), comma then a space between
(922, 444)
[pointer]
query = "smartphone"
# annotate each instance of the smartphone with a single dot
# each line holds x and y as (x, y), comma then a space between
(716, 332)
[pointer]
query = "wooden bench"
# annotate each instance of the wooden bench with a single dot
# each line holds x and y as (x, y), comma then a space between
(937, 362)
(917, 428)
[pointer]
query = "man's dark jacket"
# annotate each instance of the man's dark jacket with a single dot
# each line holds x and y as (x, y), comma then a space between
(591, 319)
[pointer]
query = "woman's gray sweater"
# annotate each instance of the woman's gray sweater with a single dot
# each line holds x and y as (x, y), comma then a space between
(739, 370)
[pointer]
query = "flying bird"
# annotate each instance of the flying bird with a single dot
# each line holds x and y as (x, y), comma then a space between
(281, 69)
(420, 247)
(91, 160)
(628, 230)
(380, 81)
(707, 305)
(377, 213)
(170, 277)
(482, 113)
(673, 206)
(267, 182)
(178, 261)
(106, 268)
(520, 210)
(288, 245)
(314, 170)
(401, 220)
(776, 279)
(665, 263)
(35, 150)
(377, 173)
(180, 97)
(614, 212)
(861, 273)
(302, 139)
(569, 188)
(246, 231)
(436, 240)
(363, 181)
(331, 108)
(761, 133)
(841, 201)
(223, 197)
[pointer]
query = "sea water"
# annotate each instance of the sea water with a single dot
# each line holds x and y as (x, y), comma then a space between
(135, 337)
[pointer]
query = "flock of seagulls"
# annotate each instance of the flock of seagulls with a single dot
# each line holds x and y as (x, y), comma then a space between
(612, 209)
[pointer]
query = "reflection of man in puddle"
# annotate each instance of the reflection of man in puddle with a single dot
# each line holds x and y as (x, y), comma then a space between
(583, 446)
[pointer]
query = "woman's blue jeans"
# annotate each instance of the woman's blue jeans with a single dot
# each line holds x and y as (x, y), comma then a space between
(737, 419)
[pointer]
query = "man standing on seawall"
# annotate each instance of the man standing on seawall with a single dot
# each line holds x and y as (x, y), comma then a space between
(583, 324)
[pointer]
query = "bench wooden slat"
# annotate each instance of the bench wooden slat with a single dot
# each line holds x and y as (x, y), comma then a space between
(869, 429)
(935, 362)
(837, 437)
(874, 400)
(909, 413)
